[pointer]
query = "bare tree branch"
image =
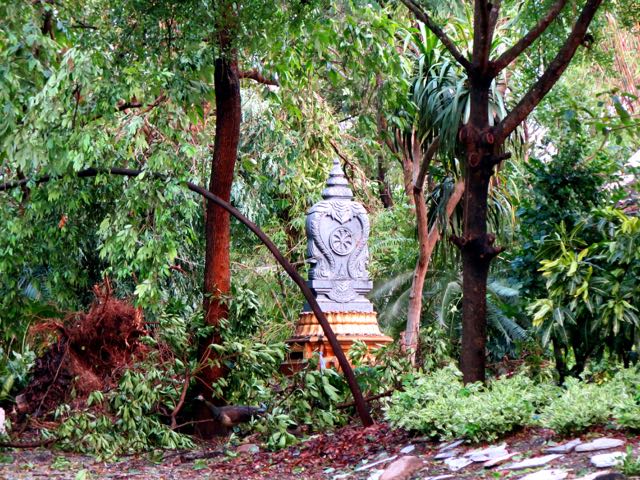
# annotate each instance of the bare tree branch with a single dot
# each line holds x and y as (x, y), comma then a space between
(511, 54)
(431, 25)
(481, 35)
(183, 395)
(556, 68)
(255, 75)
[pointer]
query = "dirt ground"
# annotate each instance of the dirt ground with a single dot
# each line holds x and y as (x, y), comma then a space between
(335, 455)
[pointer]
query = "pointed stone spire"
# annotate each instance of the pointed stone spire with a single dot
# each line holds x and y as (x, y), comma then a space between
(337, 184)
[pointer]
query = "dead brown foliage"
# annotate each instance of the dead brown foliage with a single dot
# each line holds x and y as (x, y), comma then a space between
(90, 352)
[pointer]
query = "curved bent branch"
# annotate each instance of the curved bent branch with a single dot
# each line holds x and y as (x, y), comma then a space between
(360, 404)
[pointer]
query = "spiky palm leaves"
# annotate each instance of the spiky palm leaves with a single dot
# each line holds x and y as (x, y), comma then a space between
(442, 301)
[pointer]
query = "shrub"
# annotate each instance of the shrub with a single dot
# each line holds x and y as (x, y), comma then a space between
(627, 407)
(580, 406)
(441, 406)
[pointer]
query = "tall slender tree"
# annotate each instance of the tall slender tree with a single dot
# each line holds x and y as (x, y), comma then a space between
(484, 146)
(217, 272)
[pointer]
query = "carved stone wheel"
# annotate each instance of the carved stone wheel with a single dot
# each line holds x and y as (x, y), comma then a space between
(341, 241)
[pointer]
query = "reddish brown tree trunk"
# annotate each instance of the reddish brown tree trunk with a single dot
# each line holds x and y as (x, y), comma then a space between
(217, 272)
(427, 239)
(217, 268)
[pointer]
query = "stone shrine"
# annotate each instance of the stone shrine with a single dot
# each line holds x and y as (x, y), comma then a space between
(337, 232)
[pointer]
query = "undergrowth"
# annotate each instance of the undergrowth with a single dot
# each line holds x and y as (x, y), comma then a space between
(122, 421)
(439, 405)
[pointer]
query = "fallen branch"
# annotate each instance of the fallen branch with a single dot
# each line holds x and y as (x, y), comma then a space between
(370, 398)
(183, 395)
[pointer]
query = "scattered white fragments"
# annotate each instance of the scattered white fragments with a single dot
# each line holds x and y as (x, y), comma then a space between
(447, 454)
(488, 453)
(367, 466)
(439, 477)
(450, 445)
(565, 447)
(599, 444)
(498, 460)
(490, 456)
(408, 449)
(402, 468)
(531, 462)
(605, 460)
(458, 463)
(554, 474)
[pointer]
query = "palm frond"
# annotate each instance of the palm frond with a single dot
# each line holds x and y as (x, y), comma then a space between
(503, 291)
(451, 295)
(391, 285)
(506, 326)
(396, 311)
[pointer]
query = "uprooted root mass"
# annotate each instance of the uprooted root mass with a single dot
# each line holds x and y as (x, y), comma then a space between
(90, 353)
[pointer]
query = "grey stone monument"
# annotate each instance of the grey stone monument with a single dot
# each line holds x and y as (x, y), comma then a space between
(337, 233)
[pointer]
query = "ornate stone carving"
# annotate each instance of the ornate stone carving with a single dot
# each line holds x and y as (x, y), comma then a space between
(337, 232)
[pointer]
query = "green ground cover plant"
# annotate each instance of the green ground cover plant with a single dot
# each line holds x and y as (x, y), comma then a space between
(439, 405)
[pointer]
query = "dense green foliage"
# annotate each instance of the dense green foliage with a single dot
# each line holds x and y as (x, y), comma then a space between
(592, 293)
(440, 406)
(130, 84)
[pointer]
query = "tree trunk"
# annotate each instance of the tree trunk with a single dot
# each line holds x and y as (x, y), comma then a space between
(561, 366)
(475, 271)
(417, 285)
(427, 240)
(217, 272)
(476, 244)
